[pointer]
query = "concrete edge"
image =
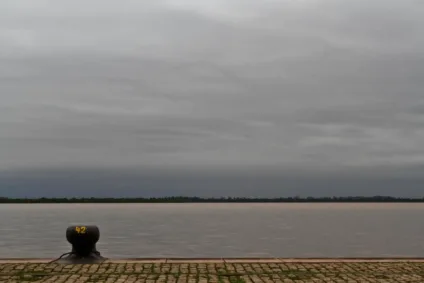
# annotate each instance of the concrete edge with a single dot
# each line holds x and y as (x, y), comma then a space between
(227, 260)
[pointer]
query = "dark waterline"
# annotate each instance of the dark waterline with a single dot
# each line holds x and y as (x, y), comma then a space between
(182, 199)
(218, 230)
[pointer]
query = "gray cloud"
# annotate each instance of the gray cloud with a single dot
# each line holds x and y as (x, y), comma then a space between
(290, 84)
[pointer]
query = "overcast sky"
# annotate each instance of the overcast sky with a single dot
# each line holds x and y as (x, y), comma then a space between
(306, 85)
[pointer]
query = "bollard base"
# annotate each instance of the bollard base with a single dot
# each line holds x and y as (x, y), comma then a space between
(75, 259)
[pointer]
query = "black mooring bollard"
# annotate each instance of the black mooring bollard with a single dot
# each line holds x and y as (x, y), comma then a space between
(83, 240)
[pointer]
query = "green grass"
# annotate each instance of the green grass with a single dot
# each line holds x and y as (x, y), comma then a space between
(31, 276)
(236, 279)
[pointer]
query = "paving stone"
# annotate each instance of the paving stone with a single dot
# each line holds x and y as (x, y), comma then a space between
(215, 272)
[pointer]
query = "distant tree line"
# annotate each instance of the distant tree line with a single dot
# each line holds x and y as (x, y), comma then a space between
(182, 199)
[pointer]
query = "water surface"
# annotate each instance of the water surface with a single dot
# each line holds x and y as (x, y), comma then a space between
(218, 230)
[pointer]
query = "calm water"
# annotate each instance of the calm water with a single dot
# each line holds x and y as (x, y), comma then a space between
(218, 230)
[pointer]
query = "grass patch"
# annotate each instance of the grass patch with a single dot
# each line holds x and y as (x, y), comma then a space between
(32, 276)
(231, 278)
(236, 279)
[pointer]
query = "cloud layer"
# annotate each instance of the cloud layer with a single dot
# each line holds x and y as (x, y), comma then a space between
(290, 84)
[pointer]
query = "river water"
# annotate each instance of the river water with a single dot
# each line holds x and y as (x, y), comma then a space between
(218, 230)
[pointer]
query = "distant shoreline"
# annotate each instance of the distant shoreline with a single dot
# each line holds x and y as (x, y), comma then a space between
(375, 199)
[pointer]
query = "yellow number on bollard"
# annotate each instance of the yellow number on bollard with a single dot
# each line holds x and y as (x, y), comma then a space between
(80, 230)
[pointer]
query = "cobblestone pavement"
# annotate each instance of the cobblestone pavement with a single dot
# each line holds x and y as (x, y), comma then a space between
(222, 272)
